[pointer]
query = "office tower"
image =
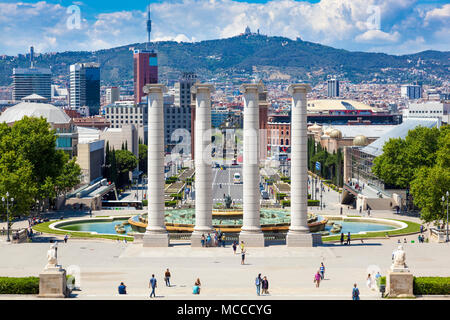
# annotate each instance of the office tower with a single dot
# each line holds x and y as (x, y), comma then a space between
(145, 66)
(411, 91)
(28, 81)
(85, 86)
(333, 88)
(112, 95)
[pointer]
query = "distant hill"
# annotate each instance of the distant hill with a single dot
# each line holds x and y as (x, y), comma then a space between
(270, 57)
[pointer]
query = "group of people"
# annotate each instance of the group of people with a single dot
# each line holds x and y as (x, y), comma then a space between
(348, 238)
(153, 284)
(372, 283)
(216, 240)
(262, 285)
(320, 275)
(243, 251)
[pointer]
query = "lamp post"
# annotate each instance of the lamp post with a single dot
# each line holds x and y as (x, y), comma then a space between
(7, 214)
(443, 202)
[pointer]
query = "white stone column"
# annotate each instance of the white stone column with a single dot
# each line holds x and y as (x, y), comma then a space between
(203, 166)
(251, 232)
(156, 234)
(299, 235)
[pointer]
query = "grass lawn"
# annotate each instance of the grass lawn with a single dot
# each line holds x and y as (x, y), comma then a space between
(44, 228)
(411, 228)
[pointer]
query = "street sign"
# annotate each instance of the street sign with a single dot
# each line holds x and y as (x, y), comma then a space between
(317, 165)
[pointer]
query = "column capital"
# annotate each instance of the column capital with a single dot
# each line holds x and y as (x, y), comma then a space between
(155, 88)
(203, 87)
(299, 87)
(247, 87)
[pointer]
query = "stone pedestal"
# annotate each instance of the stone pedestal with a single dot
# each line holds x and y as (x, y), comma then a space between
(155, 239)
(53, 283)
(399, 284)
(251, 239)
(303, 239)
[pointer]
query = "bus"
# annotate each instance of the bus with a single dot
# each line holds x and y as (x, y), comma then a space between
(124, 205)
(237, 177)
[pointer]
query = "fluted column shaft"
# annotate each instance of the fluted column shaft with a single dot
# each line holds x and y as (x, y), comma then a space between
(203, 171)
(251, 196)
(156, 233)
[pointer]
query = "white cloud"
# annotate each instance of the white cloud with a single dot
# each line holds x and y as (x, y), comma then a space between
(343, 24)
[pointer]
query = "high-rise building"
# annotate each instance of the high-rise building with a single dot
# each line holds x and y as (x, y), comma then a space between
(411, 91)
(145, 71)
(145, 65)
(28, 81)
(112, 95)
(333, 88)
(85, 86)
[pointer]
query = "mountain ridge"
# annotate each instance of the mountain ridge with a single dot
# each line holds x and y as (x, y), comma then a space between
(296, 59)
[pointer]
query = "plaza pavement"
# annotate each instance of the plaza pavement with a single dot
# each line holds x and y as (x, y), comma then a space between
(290, 271)
(104, 264)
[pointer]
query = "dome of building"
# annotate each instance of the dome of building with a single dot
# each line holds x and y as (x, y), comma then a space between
(315, 127)
(325, 136)
(335, 134)
(33, 108)
(328, 130)
(360, 141)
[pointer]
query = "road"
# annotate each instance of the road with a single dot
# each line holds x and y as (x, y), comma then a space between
(225, 178)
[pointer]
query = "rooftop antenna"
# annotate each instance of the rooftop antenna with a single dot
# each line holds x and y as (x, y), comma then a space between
(149, 27)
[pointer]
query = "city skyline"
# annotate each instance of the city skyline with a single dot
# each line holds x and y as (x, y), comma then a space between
(395, 27)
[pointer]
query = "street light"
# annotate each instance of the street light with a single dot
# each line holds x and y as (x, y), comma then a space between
(7, 214)
(443, 202)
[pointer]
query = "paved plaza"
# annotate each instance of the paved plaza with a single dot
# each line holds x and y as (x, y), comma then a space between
(290, 271)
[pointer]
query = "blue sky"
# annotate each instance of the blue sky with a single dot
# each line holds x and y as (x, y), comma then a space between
(391, 26)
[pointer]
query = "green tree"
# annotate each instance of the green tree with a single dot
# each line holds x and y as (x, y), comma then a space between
(428, 188)
(143, 157)
(126, 162)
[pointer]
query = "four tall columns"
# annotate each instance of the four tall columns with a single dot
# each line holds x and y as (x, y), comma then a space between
(203, 172)
(156, 234)
(251, 232)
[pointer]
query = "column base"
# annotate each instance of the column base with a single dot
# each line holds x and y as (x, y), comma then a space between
(303, 239)
(252, 239)
(155, 239)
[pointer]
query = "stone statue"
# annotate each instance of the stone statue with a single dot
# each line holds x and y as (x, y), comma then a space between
(52, 257)
(228, 201)
(399, 263)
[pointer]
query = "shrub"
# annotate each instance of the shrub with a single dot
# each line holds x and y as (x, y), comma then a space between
(281, 196)
(313, 203)
(286, 203)
(27, 285)
(177, 196)
(431, 285)
(171, 203)
(144, 203)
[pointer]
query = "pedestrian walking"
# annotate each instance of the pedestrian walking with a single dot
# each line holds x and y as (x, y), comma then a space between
(167, 277)
(242, 246)
(234, 247)
(340, 211)
(317, 278)
(203, 240)
(216, 240)
(243, 256)
(348, 238)
(355, 292)
(322, 271)
(65, 238)
(421, 228)
(152, 285)
(90, 212)
(223, 240)
(368, 212)
(208, 240)
(342, 238)
(258, 282)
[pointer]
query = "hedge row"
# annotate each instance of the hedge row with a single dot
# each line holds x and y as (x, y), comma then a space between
(311, 203)
(27, 285)
(431, 285)
(428, 285)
